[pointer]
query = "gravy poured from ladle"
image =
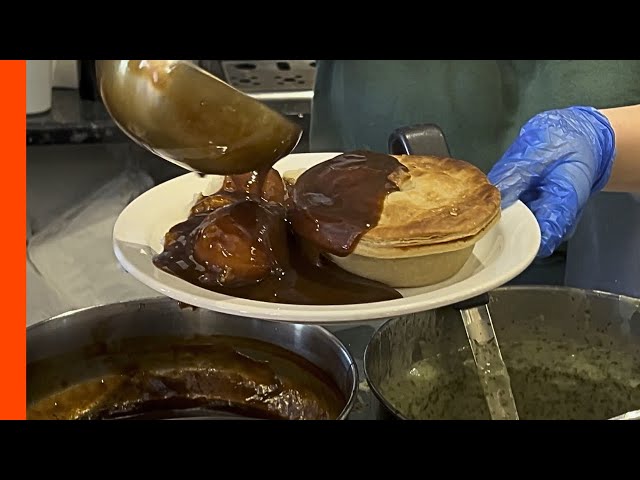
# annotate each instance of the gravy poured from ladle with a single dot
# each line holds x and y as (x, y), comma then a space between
(238, 241)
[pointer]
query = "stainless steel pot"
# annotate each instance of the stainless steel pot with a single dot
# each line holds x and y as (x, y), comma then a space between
(571, 354)
(102, 332)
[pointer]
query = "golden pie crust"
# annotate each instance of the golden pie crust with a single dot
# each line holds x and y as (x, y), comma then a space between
(428, 228)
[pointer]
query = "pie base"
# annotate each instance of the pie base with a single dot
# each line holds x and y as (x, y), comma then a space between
(406, 272)
(413, 267)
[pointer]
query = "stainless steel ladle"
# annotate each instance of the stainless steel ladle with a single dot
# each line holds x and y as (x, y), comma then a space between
(187, 116)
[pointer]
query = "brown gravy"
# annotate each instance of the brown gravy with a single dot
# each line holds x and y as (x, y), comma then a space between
(164, 377)
(257, 240)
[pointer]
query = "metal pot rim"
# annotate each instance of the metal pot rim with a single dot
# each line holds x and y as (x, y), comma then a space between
(333, 339)
(511, 288)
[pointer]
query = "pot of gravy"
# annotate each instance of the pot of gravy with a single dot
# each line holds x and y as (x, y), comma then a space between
(571, 355)
(156, 359)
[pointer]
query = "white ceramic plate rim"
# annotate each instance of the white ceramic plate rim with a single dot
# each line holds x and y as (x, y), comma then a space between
(523, 248)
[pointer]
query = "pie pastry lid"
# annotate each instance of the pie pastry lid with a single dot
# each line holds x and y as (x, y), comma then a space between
(439, 200)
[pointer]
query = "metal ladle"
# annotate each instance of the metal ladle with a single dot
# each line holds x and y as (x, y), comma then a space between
(187, 116)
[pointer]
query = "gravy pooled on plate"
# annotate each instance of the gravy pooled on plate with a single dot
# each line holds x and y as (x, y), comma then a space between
(240, 241)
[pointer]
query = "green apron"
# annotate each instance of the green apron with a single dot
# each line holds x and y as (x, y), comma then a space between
(479, 104)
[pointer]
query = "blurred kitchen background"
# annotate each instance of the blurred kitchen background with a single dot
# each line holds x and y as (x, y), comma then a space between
(82, 171)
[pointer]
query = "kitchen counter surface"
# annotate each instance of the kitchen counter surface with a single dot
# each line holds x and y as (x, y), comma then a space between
(72, 121)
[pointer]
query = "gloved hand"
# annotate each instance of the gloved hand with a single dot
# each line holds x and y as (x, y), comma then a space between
(560, 159)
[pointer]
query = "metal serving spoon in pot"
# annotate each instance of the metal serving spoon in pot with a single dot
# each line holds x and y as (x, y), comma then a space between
(187, 116)
(492, 371)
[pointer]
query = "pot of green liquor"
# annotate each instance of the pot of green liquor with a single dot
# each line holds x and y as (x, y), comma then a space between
(570, 354)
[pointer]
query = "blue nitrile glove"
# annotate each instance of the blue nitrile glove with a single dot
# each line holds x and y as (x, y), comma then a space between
(560, 159)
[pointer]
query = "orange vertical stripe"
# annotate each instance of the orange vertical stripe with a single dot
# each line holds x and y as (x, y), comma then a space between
(13, 142)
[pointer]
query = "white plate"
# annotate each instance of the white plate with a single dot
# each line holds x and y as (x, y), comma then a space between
(502, 254)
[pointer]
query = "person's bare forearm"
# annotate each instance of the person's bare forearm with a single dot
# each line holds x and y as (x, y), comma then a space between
(625, 175)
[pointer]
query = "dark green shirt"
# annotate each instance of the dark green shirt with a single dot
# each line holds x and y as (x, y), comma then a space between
(479, 104)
